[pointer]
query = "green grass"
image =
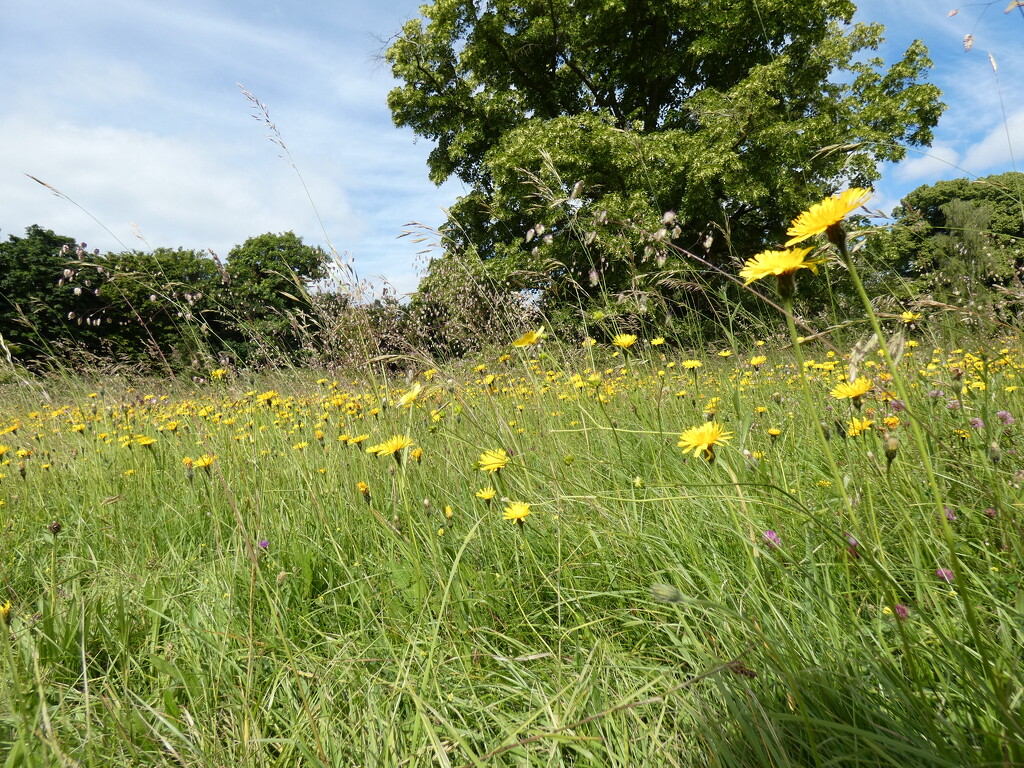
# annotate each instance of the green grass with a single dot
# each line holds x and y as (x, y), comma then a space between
(637, 617)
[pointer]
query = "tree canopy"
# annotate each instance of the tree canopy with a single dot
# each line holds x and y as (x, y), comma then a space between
(960, 237)
(583, 121)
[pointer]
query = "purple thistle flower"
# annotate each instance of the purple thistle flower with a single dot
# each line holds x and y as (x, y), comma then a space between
(977, 423)
(991, 512)
(851, 540)
(1006, 417)
(950, 513)
(771, 538)
(953, 404)
(945, 574)
(264, 544)
(901, 611)
(898, 406)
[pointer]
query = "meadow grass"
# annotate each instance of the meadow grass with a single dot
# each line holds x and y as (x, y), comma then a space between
(221, 573)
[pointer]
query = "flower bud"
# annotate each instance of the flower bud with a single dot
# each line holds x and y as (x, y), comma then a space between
(892, 445)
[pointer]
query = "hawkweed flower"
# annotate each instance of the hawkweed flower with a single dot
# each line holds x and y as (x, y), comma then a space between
(487, 494)
(5, 613)
(394, 447)
(704, 438)
(853, 390)
(411, 396)
(624, 340)
(492, 461)
(827, 217)
(857, 426)
(782, 264)
(204, 462)
(530, 338)
(517, 511)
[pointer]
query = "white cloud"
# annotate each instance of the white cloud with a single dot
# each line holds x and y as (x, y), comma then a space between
(994, 150)
(177, 192)
(938, 161)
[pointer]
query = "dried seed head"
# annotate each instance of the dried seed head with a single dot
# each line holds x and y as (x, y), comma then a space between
(995, 453)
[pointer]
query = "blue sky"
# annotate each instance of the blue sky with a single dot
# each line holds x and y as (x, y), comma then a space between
(132, 109)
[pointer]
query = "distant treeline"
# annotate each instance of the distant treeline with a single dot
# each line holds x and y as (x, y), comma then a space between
(61, 302)
(272, 302)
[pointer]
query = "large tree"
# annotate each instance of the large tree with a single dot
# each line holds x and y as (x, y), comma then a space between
(592, 118)
(33, 297)
(961, 237)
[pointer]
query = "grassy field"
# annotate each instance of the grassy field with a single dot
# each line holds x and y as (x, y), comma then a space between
(608, 555)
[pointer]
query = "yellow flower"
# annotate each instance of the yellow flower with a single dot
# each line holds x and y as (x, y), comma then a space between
(486, 494)
(777, 263)
(364, 489)
(417, 454)
(658, 341)
(852, 389)
(624, 340)
(517, 511)
(758, 360)
(909, 317)
(819, 217)
(492, 461)
(691, 364)
(725, 353)
(393, 446)
(5, 613)
(704, 438)
(409, 397)
(267, 396)
(218, 374)
(857, 426)
(530, 338)
(204, 461)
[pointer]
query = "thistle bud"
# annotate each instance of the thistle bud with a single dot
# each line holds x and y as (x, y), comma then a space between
(995, 453)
